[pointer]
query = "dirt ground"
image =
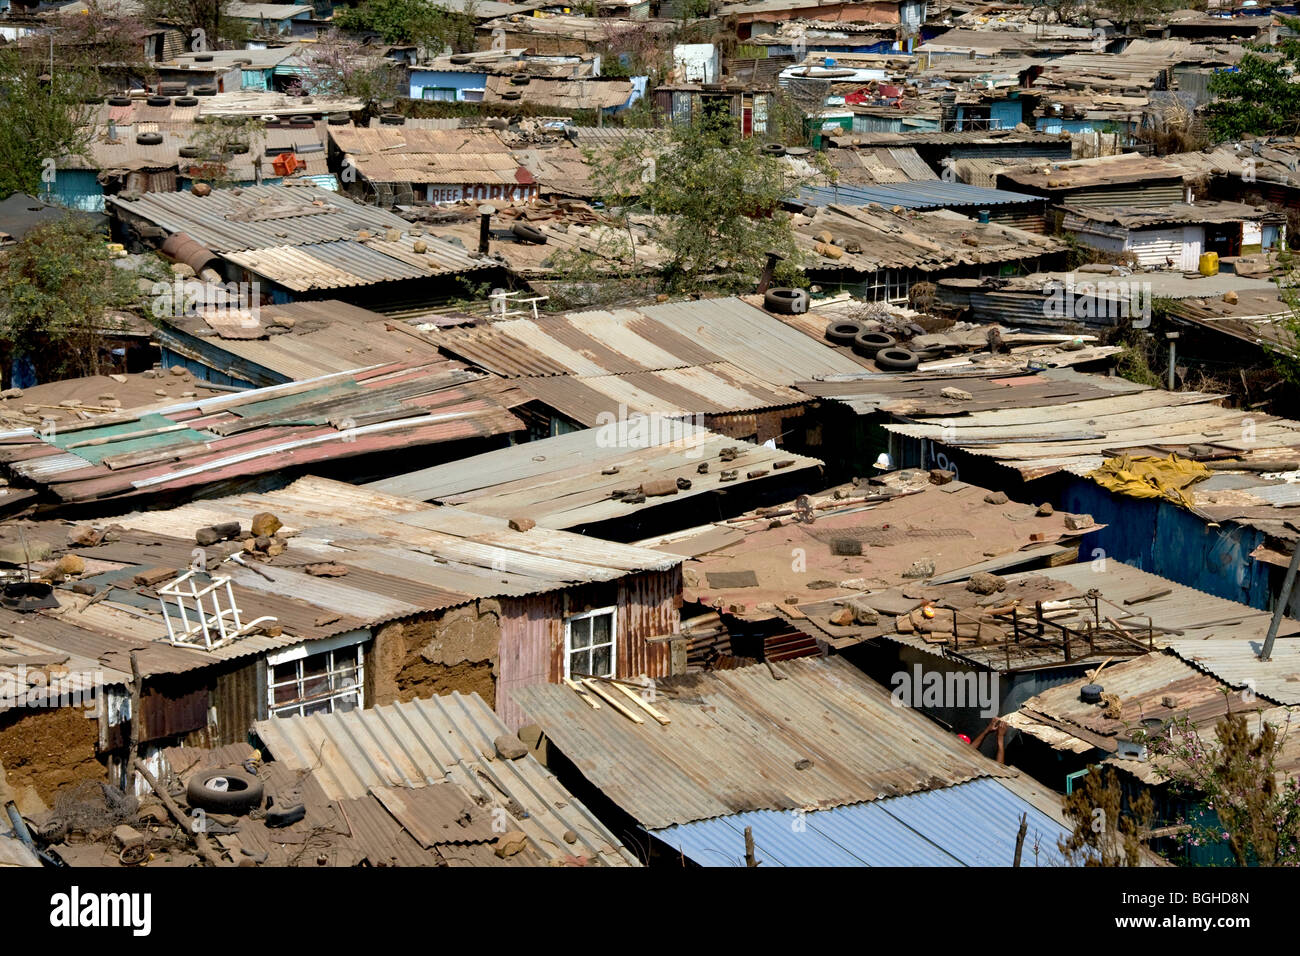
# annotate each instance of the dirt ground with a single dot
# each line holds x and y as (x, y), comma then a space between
(136, 392)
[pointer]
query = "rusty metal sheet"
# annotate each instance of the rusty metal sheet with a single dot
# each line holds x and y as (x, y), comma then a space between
(718, 757)
(431, 741)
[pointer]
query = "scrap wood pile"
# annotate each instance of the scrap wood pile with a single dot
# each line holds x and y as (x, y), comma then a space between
(984, 609)
(633, 701)
(1016, 617)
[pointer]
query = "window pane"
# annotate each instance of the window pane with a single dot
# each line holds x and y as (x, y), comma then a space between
(580, 632)
(284, 672)
(320, 707)
(600, 628)
(286, 693)
(602, 661)
(316, 665)
(314, 686)
(346, 703)
(580, 663)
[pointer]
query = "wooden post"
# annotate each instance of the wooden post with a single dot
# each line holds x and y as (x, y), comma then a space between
(199, 837)
(750, 859)
(1020, 837)
(133, 735)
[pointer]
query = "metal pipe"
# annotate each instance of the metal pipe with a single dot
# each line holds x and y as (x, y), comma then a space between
(1283, 599)
(11, 809)
(20, 827)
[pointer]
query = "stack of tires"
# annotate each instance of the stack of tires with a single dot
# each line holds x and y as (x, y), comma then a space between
(881, 347)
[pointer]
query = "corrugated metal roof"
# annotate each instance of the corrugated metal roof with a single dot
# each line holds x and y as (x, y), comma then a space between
(932, 194)
(260, 217)
(714, 389)
(264, 58)
(263, 430)
(327, 336)
(1120, 169)
(1235, 661)
(912, 830)
(1008, 137)
(435, 740)
(719, 756)
(651, 338)
(920, 394)
(423, 557)
(398, 154)
(1077, 430)
(346, 262)
(751, 339)
(1197, 614)
(592, 136)
(584, 93)
(1158, 687)
(873, 238)
(882, 165)
(560, 482)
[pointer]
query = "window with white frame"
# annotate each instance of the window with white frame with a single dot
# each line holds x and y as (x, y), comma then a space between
(589, 640)
(323, 677)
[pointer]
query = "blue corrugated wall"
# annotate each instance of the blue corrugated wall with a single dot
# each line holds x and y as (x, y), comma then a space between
(78, 189)
(1170, 541)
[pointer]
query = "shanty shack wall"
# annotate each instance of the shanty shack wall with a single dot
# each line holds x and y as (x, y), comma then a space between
(493, 645)
(532, 632)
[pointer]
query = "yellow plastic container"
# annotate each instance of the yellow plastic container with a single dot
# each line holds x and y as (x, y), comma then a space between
(1209, 264)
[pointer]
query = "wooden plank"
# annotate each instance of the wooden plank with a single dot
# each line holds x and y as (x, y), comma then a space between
(594, 705)
(590, 684)
(1149, 596)
(643, 704)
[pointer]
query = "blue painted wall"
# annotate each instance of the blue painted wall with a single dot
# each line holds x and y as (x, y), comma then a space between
(1007, 113)
(1004, 114)
(200, 371)
(256, 79)
(443, 79)
(1170, 541)
(78, 189)
(1054, 124)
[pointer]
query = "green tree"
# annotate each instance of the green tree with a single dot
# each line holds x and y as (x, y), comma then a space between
(42, 117)
(410, 21)
(56, 287)
(1106, 832)
(338, 65)
(1260, 97)
(1235, 779)
(715, 197)
(1285, 350)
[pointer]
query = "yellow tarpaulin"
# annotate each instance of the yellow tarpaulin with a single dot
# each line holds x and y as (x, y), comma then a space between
(1149, 477)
